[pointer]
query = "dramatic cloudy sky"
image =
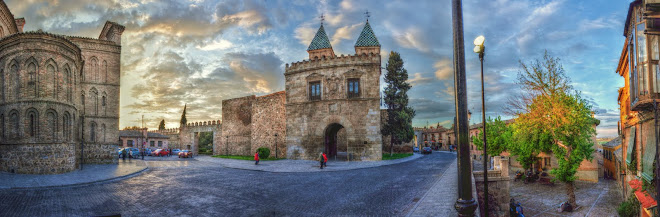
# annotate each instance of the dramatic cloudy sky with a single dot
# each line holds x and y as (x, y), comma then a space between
(201, 52)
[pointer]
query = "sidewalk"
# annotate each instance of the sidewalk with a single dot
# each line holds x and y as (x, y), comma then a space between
(91, 173)
(297, 166)
(440, 199)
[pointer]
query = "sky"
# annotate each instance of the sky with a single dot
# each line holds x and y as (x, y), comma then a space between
(200, 52)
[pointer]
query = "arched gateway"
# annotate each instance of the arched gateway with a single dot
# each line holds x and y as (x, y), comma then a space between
(332, 140)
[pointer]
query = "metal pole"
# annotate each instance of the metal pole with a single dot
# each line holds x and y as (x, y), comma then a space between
(483, 119)
(465, 204)
(226, 145)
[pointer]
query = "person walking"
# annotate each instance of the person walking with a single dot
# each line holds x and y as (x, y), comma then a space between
(321, 160)
(325, 160)
(123, 154)
(256, 158)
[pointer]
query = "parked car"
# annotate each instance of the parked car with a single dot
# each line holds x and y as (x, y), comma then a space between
(415, 149)
(135, 152)
(160, 152)
(185, 153)
(176, 151)
(427, 150)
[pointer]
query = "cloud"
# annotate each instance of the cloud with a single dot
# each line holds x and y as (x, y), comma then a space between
(412, 38)
(444, 69)
(344, 33)
(305, 33)
(216, 45)
(417, 79)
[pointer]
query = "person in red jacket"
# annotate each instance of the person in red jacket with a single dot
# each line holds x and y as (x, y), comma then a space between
(325, 160)
(256, 157)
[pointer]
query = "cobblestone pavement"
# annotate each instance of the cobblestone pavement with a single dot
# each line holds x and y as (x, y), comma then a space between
(89, 174)
(201, 188)
(595, 199)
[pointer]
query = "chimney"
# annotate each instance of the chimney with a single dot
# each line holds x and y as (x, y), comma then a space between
(20, 22)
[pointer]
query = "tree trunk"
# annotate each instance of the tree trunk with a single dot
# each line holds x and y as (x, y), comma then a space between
(570, 191)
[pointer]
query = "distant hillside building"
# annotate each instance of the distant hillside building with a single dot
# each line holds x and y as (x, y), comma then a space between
(143, 139)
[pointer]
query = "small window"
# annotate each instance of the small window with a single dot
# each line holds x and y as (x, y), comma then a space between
(353, 88)
(152, 144)
(315, 91)
(129, 143)
(103, 101)
(160, 143)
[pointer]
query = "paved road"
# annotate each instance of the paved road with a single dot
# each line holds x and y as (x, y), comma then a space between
(197, 188)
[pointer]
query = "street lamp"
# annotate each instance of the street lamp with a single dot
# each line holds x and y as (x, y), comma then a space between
(465, 204)
(480, 49)
(275, 145)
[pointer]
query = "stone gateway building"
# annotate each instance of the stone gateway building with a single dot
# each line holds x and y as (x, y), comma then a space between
(333, 102)
(55, 91)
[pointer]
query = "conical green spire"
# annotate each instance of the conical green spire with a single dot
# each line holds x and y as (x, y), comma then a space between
(367, 37)
(320, 40)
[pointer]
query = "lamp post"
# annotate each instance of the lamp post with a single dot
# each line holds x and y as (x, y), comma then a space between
(465, 204)
(275, 145)
(480, 49)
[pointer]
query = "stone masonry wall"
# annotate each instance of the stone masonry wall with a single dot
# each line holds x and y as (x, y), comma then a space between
(98, 153)
(268, 119)
(499, 184)
(38, 158)
(307, 121)
(237, 125)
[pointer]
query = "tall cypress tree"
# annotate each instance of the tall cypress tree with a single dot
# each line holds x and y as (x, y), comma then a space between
(183, 116)
(161, 126)
(399, 114)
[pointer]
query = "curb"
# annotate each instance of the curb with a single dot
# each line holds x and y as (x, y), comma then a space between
(407, 159)
(113, 179)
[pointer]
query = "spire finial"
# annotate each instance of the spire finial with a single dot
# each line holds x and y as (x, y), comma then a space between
(367, 15)
(322, 18)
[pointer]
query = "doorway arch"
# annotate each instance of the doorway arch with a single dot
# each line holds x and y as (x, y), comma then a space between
(331, 139)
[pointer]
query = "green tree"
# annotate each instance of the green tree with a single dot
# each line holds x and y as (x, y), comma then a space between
(183, 116)
(557, 119)
(399, 114)
(498, 136)
(161, 126)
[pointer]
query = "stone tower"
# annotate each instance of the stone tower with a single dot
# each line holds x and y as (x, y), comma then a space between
(333, 102)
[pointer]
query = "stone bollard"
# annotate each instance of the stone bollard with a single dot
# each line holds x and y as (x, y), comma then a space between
(504, 166)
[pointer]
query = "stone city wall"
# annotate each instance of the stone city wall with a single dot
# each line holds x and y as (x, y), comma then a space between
(237, 126)
(98, 153)
(499, 184)
(268, 119)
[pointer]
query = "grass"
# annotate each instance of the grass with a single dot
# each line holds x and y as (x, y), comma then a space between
(251, 158)
(386, 156)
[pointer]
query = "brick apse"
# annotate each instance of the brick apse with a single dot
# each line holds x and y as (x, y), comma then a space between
(59, 98)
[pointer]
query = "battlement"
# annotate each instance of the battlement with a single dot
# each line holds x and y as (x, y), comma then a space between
(168, 131)
(328, 62)
(204, 123)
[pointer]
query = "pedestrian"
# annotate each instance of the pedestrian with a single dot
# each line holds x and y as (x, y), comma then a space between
(256, 158)
(142, 153)
(321, 160)
(325, 160)
(123, 154)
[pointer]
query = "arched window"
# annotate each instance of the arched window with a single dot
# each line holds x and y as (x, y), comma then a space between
(15, 81)
(50, 82)
(103, 131)
(92, 132)
(95, 101)
(94, 72)
(14, 124)
(105, 71)
(103, 104)
(32, 121)
(32, 80)
(51, 129)
(66, 127)
(67, 83)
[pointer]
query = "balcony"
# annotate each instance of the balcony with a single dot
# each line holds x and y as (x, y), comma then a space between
(645, 102)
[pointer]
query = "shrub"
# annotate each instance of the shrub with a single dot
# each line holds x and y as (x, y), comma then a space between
(263, 152)
(630, 207)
